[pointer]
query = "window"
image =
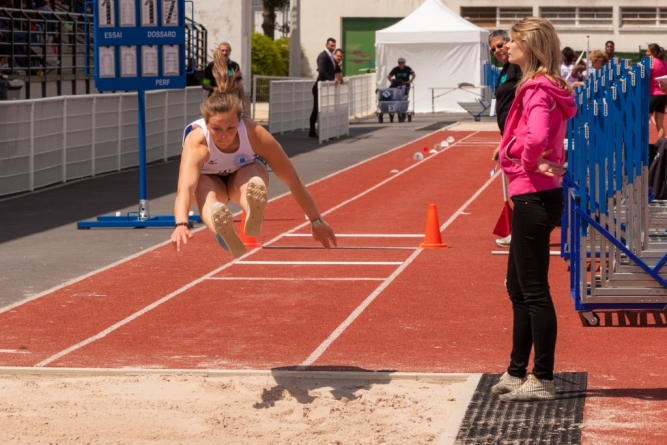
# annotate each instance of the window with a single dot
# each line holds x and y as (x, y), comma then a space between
(486, 17)
(643, 16)
(578, 17)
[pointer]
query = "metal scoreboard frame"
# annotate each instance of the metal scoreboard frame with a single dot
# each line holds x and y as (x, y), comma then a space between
(139, 44)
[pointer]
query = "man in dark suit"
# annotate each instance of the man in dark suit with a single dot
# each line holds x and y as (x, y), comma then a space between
(327, 69)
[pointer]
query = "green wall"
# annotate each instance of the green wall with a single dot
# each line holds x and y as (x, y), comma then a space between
(359, 42)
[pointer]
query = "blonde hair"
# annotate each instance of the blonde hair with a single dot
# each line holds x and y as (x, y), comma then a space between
(228, 94)
(542, 50)
(598, 56)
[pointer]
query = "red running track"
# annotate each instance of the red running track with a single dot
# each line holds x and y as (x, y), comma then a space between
(372, 309)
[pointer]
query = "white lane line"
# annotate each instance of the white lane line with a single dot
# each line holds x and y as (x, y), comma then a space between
(157, 303)
(291, 279)
(133, 256)
(13, 351)
(324, 263)
(364, 235)
(364, 304)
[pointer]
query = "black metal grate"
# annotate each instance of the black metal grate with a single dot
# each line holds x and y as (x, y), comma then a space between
(557, 422)
(435, 126)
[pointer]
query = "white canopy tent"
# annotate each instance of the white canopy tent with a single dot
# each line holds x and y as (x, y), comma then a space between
(443, 49)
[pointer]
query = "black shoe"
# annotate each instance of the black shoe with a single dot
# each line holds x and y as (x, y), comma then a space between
(312, 134)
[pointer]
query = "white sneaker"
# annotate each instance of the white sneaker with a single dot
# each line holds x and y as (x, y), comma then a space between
(532, 390)
(504, 242)
(507, 383)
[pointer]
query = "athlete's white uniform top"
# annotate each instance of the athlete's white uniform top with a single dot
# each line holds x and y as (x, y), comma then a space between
(220, 163)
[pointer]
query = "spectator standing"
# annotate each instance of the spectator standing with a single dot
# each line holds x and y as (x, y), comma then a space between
(327, 70)
(532, 156)
(401, 75)
(568, 70)
(610, 49)
(338, 57)
(657, 98)
(505, 91)
(598, 58)
(209, 83)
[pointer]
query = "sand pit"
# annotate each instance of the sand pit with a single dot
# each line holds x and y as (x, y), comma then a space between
(240, 409)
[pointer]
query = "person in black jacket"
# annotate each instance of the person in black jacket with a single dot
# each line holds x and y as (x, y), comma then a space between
(328, 70)
(505, 89)
(209, 82)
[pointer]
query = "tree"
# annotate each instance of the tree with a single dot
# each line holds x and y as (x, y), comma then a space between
(269, 15)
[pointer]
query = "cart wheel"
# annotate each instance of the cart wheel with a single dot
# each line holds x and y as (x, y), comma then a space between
(380, 118)
(588, 318)
(409, 118)
(391, 117)
(476, 119)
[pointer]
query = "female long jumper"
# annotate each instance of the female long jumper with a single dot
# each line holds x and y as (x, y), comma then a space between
(224, 156)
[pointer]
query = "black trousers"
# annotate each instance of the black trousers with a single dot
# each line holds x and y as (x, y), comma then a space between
(313, 115)
(534, 217)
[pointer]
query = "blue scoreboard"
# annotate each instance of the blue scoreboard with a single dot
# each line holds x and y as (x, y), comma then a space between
(139, 44)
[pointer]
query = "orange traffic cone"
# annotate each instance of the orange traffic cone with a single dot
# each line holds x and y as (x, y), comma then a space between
(432, 238)
(249, 241)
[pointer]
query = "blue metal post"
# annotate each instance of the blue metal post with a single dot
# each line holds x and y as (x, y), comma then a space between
(143, 198)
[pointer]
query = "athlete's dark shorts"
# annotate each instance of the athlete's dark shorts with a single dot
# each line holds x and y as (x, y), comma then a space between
(225, 176)
(657, 104)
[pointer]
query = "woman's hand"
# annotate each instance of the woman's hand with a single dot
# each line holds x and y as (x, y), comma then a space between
(548, 168)
(494, 155)
(325, 235)
(180, 235)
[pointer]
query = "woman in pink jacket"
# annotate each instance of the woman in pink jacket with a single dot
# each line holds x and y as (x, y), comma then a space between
(657, 98)
(532, 158)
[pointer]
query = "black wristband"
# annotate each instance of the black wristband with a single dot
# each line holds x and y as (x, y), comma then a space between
(182, 224)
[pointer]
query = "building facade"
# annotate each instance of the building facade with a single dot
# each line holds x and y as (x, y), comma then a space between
(630, 24)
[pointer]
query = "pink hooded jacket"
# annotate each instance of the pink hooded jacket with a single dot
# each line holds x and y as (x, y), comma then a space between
(537, 122)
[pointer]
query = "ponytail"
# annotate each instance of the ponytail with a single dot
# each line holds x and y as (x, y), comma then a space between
(657, 50)
(228, 94)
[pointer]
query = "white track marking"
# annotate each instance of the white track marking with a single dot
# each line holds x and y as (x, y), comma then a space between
(290, 279)
(364, 304)
(364, 235)
(13, 351)
(157, 303)
(131, 257)
(323, 263)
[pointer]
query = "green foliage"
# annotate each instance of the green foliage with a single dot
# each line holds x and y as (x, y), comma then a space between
(268, 56)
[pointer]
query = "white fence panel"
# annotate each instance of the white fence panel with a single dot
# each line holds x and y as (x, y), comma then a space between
(45, 141)
(291, 104)
(362, 95)
(15, 147)
(106, 133)
(129, 130)
(156, 104)
(79, 132)
(333, 119)
(48, 145)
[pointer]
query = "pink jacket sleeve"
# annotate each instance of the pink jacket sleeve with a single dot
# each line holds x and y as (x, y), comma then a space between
(538, 105)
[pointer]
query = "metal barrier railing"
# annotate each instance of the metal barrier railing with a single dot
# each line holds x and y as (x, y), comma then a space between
(613, 233)
(47, 49)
